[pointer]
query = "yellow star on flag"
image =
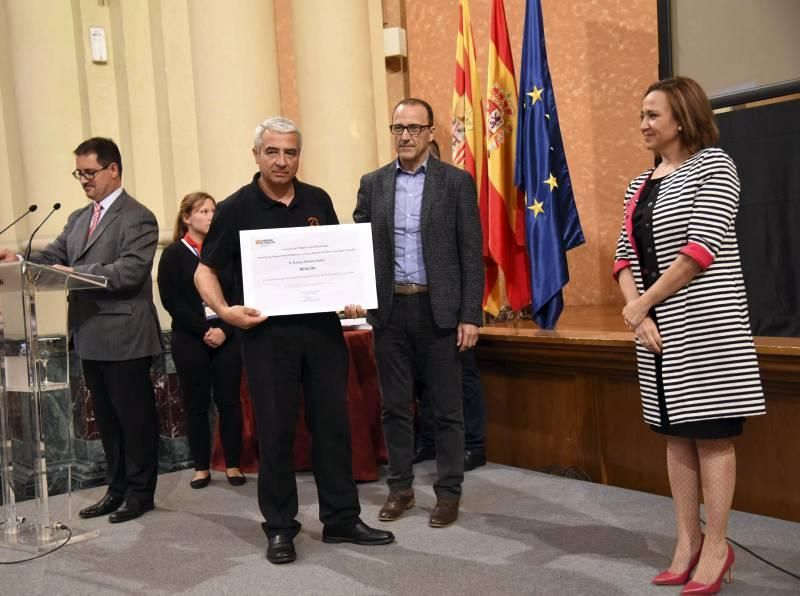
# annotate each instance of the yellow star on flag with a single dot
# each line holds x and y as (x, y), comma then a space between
(535, 95)
(537, 208)
(551, 181)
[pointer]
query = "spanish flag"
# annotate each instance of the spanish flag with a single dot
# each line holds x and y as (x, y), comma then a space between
(505, 213)
(468, 141)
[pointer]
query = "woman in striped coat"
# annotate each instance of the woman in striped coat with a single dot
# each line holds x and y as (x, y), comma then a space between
(677, 263)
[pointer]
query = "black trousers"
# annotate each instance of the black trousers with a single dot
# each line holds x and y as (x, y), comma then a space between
(281, 355)
(204, 372)
(473, 404)
(412, 346)
(125, 410)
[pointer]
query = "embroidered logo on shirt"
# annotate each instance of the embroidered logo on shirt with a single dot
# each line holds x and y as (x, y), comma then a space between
(313, 221)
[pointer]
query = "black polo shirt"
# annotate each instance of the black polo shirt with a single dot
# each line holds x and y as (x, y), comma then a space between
(249, 208)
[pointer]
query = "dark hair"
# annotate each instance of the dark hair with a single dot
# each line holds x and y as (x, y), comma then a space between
(413, 101)
(692, 111)
(106, 150)
(189, 203)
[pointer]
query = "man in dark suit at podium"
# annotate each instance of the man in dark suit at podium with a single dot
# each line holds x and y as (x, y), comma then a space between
(427, 244)
(114, 331)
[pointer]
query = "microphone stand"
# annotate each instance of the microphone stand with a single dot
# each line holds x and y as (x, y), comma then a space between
(55, 208)
(31, 209)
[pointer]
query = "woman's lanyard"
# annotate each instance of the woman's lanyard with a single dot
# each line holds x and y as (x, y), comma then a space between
(194, 250)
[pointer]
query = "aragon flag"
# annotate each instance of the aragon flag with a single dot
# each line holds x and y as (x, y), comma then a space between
(468, 141)
(505, 214)
(541, 171)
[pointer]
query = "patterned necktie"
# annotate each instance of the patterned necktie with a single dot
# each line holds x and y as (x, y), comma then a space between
(95, 218)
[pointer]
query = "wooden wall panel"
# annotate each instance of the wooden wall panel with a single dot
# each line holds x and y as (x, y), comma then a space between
(527, 426)
(632, 454)
(767, 459)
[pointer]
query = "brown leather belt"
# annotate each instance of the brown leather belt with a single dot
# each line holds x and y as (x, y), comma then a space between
(410, 289)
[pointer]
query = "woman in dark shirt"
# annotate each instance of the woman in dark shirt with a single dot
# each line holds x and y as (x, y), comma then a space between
(205, 349)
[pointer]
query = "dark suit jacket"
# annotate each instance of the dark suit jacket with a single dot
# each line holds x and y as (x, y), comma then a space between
(451, 241)
(120, 322)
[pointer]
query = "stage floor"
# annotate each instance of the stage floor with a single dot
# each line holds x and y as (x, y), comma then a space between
(520, 532)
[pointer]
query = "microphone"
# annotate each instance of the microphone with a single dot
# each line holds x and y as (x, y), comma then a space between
(31, 209)
(55, 208)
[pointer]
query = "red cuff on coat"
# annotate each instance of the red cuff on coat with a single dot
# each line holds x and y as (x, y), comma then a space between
(619, 266)
(699, 253)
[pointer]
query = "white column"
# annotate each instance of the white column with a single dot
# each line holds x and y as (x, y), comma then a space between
(40, 88)
(333, 60)
(236, 85)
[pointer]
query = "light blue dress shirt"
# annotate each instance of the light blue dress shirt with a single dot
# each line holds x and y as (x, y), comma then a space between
(409, 266)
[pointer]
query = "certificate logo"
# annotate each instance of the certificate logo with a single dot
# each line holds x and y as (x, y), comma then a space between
(264, 242)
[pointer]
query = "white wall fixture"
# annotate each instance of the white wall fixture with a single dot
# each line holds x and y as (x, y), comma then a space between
(394, 42)
(97, 40)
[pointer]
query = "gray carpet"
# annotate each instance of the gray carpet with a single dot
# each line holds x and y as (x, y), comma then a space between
(520, 532)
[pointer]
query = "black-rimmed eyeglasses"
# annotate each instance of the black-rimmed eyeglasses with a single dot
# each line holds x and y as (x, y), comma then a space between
(413, 129)
(88, 174)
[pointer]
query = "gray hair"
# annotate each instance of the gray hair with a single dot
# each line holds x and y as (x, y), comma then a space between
(277, 124)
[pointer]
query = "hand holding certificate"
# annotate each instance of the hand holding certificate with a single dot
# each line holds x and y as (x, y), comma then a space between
(288, 271)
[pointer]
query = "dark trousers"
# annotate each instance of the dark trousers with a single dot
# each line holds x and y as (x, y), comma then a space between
(411, 346)
(281, 355)
(204, 372)
(473, 403)
(125, 410)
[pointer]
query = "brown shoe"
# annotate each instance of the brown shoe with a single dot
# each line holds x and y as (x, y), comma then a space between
(396, 504)
(445, 513)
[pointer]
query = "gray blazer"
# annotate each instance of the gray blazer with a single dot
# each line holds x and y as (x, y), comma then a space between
(451, 241)
(120, 322)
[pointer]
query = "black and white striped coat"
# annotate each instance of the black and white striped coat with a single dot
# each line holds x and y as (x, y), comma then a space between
(709, 364)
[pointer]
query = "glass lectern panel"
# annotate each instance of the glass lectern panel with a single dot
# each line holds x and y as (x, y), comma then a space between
(34, 392)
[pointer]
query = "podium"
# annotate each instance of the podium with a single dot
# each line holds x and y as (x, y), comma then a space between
(27, 374)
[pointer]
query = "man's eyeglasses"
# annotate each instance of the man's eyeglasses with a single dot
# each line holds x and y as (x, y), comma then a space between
(88, 174)
(413, 129)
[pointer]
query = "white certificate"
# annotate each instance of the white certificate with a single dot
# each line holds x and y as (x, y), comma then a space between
(288, 271)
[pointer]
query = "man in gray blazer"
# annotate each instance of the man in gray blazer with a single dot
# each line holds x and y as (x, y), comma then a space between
(114, 331)
(429, 272)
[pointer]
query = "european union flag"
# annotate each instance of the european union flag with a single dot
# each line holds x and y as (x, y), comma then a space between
(551, 223)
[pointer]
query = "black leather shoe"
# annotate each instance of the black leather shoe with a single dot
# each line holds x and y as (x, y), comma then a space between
(280, 549)
(360, 533)
(236, 480)
(130, 510)
(422, 453)
(200, 482)
(474, 459)
(108, 504)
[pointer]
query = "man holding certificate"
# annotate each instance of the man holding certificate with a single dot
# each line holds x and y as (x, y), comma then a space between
(427, 243)
(283, 353)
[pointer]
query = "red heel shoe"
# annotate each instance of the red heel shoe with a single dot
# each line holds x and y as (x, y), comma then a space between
(694, 587)
(667, 578)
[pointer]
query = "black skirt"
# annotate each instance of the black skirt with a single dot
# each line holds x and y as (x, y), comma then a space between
(718, 428)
